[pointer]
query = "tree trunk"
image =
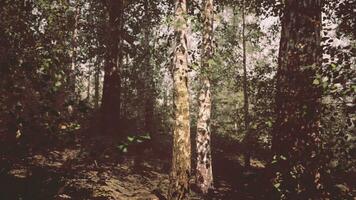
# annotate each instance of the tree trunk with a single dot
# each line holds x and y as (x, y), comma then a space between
(181, 165)
(89, 84)
(97, 85)
(72, 75)
(204, 176)
(245, 88)
(296, 134)
(149, 83)
(112, 82)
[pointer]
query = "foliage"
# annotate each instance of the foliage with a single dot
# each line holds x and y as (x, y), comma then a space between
(40, 107)
(132, 141)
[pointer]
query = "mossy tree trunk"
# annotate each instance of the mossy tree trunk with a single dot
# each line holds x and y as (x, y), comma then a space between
(181, 159)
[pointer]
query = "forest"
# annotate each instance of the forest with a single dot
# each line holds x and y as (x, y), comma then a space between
(177, 99)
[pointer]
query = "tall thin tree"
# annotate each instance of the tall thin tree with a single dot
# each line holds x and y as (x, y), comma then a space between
(72, 75)
(149, 81)
(296, 135)
(97, 82)
(181, 163)
(245, 88)
(204, 172)
(89, 83)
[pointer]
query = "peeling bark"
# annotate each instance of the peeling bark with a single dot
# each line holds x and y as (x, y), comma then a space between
(204, 172)
(181, 164)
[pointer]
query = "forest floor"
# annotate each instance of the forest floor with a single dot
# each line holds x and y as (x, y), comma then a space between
(74, 172)
(90, 172)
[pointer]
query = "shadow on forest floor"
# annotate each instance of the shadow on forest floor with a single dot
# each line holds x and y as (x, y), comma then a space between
(81, 171)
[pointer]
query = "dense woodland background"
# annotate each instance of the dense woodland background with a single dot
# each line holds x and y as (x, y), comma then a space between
(201, 99)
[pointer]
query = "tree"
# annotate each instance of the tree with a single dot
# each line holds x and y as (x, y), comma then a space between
(204, 176)
(72, 75)
(96, 86)
(181, 164)
(149, 83)
(245, 88)
(296, 134)
(112, 82)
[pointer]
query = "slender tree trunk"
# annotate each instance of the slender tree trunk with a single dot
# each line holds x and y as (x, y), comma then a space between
(181, 163)
(245, 88)
(204, 176)
(89, 84)
(149, 97)
(97, 85)
(112, 82)
(296, 139)
(72, 75)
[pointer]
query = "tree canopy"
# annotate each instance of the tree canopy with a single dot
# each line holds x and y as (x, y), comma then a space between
(205, 99)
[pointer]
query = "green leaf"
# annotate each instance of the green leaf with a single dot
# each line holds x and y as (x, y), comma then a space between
(325, 79)
(147, 137)
(325, 85)
(130, 139)
(58, 84)
(211, 62)
(333, 66)
(277, 185)
(316, 82)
